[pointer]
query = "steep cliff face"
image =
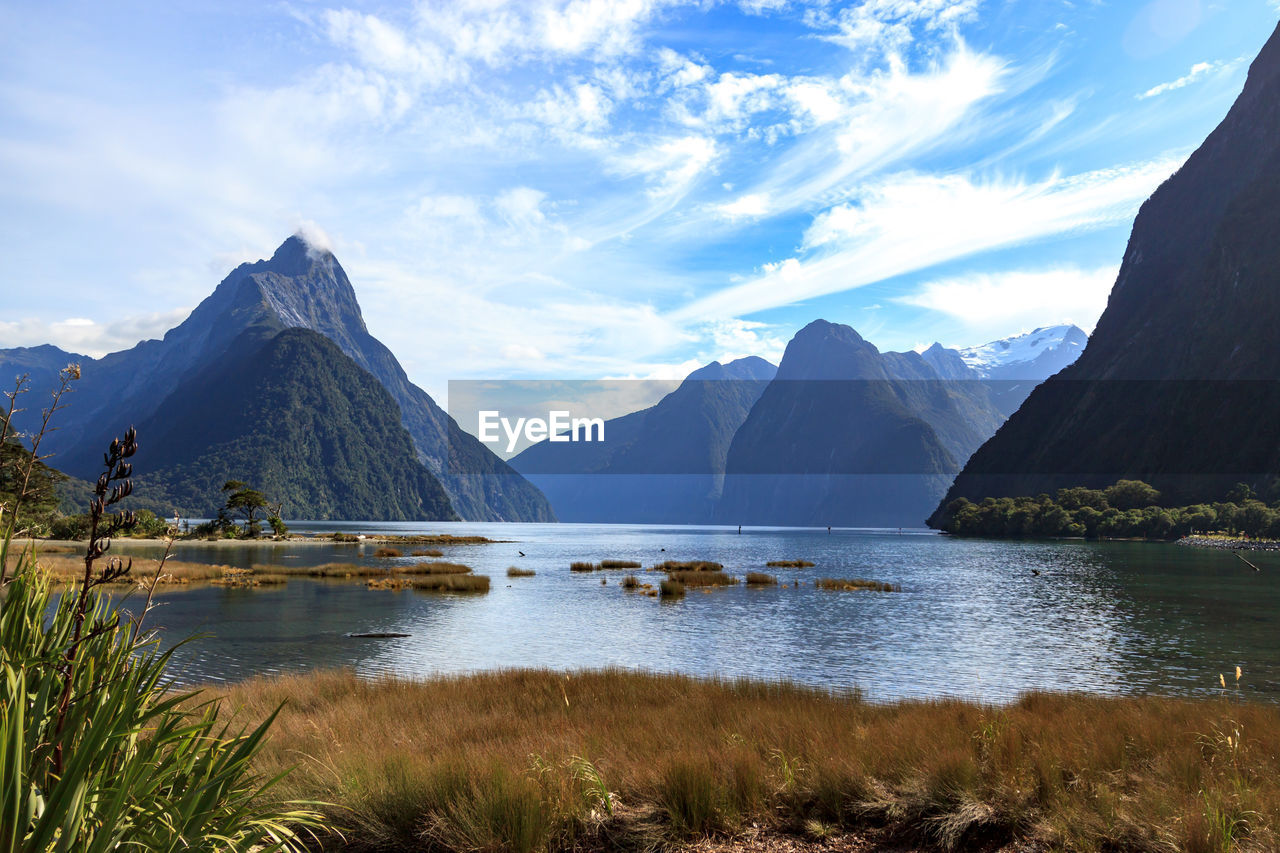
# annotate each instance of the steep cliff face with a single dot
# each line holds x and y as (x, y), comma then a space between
(1178, 382)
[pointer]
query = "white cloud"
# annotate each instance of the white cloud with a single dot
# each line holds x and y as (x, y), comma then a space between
(1197, 72)
(747, 206)
(670, 165)
(889, 25)
(88, 337)
(910, 222)
(996, 303)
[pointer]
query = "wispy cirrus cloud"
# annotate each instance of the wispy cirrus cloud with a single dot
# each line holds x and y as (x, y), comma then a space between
(910, 222)
(1198, 72)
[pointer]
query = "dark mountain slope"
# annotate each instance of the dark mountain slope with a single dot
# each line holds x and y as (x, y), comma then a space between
(1178, 382)
(661, 465)
(846, 435)
(300, 420)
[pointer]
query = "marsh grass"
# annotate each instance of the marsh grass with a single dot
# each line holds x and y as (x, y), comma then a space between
(427, 552)
(686, 757)
(64, 568)
(856, 584)
(790, 564)
(582, 566)
(619, 564)
(387, 552)
(631, 582)
(687, 566)
(516, 572)
(671, 589)
(761, 579)
(451, 583)
(696, 579)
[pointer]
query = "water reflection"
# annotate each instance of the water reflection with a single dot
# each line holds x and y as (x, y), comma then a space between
(974, 619)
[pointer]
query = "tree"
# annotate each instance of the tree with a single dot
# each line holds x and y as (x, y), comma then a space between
(1131, 494)
(247, 503)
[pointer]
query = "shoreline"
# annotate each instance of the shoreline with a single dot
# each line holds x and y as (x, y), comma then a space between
(1222, 543)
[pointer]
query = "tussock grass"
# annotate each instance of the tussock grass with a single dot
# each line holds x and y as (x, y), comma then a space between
(761, 579)
(424, 539)
(581, 566)
(427, 552)
(619, 564)
(387, 552)
(63, 568)
(694, 578)
(790, 564)
(451, 583)
(671, 589)
(687, 566)
(516, 572)
(855, 584)
(631, 582)
(487, 762)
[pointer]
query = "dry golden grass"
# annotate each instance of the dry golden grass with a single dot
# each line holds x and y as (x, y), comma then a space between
(670, 589)
(619, 564)
(517, 572)
(427, 552)
(500, 761)
(790, 564)
(427, 539)
(387, 552)
(695, 578)
(687, 566)
(631, 582)
(451, 583)
(761, 579)
(856, 584)
(580, 566)
(64, 568)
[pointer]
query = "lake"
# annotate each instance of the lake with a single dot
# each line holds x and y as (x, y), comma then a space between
(972, 620)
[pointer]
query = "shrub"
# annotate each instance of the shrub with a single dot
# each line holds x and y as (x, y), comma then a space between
(74, 527)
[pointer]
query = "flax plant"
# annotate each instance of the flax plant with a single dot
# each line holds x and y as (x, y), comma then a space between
(97, 751)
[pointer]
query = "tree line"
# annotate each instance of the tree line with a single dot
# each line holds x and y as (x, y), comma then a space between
(1129, 509)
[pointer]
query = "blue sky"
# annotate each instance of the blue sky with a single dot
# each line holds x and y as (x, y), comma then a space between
(600, 188)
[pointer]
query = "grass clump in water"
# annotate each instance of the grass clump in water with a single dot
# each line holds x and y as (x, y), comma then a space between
(516, 572)
(671, 589)
(437, 567)
(387, 552)
(619, 564)
(761, 579)
(451, 583)
(687, 566)
(427, 552)
(856, 584)
(631, 582)
(790, 564)
(581, 566)
(693, 578)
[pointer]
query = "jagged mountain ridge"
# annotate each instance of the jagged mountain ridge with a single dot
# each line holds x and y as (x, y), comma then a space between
(298, 287)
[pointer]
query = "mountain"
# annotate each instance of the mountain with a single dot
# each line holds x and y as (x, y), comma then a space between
(847, 435)
(1177, 385)
(300, 286)
(1011, 367)
(294, 416)
(662, 465)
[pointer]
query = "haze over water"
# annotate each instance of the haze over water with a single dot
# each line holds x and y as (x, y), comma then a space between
(972, 620)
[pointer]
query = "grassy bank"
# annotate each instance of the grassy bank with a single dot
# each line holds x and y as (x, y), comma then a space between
(543, 761)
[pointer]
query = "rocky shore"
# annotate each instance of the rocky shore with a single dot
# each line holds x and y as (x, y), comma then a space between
(1225, 544)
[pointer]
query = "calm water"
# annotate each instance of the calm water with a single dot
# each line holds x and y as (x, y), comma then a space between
(972, 619)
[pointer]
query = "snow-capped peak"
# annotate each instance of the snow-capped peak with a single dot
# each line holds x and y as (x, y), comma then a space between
(1064, 342)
